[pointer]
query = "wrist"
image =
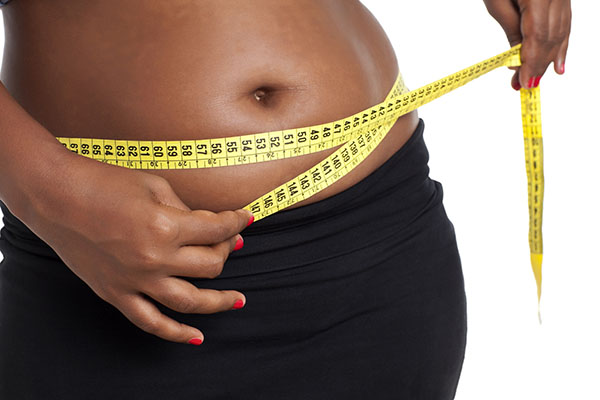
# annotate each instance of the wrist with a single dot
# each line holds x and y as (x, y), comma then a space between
(33, 182)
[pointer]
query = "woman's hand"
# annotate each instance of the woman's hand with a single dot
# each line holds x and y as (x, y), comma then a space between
(543, 26)
(127, 235)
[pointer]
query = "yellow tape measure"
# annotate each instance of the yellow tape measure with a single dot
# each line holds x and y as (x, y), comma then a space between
(534, 162)
(358, 135)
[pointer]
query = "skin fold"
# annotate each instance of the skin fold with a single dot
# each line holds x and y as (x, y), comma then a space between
(189, 69)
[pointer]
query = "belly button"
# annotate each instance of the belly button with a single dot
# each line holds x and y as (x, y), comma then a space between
(265, 96)
(260, 95)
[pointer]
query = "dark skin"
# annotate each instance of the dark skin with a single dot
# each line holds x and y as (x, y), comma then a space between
(543, 27)
(174, 71)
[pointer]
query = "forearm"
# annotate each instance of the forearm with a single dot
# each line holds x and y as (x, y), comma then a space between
(31, 159)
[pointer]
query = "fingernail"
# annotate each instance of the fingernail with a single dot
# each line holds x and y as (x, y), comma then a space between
(537, 81)
(239, 244)
(531, 82)
(516, 85)
(195, 341)
(238, 304)
(250, 221)
(562, 68)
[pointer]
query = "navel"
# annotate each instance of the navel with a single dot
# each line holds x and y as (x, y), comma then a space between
(263, 95)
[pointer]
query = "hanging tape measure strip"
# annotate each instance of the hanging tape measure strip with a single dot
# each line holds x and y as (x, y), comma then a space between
(534, 163)
(358, 136)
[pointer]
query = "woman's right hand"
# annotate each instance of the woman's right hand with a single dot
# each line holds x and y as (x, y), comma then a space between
(127, 235)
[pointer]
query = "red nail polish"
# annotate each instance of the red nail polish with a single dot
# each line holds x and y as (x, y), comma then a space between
(238, 304)
(239, 244)
(250, 221)
(516, 85)
(531, 82)
(562, 69)
(195, 341)
(537, 81)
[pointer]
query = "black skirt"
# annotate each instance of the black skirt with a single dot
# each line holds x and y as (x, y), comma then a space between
(358, 296)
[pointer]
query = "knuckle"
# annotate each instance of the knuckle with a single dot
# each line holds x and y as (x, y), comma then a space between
(560, 35)
(112, 292)
(220, 230)
(150, 325)
(184, 304)
(230, 219)
(106, 294)
(213, 302)
(214, 269)
(540, 35)
(161, 227)
(158, 186)
(214, 264)
(149, 258)
(555, 38)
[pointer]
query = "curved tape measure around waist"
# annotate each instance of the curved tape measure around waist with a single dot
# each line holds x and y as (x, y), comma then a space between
(358, 135)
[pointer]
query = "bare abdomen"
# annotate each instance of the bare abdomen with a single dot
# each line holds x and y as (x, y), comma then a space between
(189, 69)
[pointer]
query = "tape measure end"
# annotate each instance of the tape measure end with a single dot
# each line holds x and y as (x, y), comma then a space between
(536, 266)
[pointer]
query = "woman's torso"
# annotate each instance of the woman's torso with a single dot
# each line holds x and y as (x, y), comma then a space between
(192, 69)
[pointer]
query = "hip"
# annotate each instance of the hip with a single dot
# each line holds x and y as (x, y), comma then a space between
(358, 295)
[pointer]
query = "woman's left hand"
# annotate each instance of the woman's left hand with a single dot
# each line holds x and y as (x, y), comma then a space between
(543, 27)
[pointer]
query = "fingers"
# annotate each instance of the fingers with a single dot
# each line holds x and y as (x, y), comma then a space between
(561, 57)
(181, 296)
(515, 81)
(535, 37)
(559, 61)
(205, 227)
(148, 317)
(545, 28)
(194, 227)
(563, 29)
(204, 261)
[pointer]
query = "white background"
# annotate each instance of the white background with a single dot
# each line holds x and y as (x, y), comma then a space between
(475, 143)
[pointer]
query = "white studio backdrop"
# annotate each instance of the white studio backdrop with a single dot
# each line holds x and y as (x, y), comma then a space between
(476, 151)
(475, 141)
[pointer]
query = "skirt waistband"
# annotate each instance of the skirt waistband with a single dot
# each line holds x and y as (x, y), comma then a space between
(403, 171)
(393, 204)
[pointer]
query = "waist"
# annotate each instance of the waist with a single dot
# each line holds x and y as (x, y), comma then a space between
(233, 187)
(388, 199)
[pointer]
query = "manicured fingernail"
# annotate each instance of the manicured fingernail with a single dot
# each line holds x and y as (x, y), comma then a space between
(562, 68)
(238, 304)
(239, 244)
(250, 221)
(531, 82)
(195, 341)
(537, 81)
(516, 85)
